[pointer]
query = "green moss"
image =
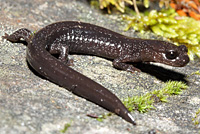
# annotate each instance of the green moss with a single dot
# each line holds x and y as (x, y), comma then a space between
(174, 88)
(66, 126)
(140, 103)
(195, 120)
(145, 102)
(194, 73)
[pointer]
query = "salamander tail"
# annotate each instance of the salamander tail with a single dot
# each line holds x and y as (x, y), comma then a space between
(131, 119)
(17, 35)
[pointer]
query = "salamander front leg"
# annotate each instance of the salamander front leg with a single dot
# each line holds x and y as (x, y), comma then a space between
(121, 64)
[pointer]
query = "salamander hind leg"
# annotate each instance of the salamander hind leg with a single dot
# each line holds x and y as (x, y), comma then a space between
(60, 51)
(121, 64)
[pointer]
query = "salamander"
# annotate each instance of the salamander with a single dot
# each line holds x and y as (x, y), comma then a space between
(71, 37)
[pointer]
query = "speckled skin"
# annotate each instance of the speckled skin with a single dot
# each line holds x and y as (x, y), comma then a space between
(66, 37)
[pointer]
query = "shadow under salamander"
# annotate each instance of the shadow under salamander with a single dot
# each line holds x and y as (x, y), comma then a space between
(161, 73)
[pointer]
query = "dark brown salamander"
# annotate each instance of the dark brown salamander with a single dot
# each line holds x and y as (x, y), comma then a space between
(66, 37)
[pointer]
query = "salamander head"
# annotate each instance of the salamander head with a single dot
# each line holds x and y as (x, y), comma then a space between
(167, 53)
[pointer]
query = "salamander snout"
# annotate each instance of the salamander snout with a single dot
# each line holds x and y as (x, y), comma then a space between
(185, 60)
(183, 48)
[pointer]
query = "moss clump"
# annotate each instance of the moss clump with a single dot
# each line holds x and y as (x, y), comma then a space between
(141, 103)
(145, 102)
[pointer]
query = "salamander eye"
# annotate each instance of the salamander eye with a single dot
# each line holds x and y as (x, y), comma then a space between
(171, 54)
